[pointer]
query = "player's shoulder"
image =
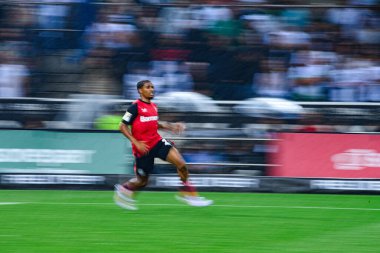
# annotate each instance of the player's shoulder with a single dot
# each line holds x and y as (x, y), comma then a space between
(133, 106)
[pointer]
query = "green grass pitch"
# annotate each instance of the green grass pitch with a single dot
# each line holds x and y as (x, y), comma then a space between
(88, 222)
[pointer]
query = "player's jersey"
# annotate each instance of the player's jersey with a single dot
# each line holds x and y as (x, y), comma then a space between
(143, 118)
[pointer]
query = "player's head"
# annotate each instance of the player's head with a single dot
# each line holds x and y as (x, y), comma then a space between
(146, 89)
(141, 83)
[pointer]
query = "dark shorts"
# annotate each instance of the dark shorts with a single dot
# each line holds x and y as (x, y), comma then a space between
(144, 165)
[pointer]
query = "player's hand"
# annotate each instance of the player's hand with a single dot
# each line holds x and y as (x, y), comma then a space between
(178, 127)
(142, 147)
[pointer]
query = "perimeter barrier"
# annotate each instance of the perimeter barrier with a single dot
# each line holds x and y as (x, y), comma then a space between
(304, 162)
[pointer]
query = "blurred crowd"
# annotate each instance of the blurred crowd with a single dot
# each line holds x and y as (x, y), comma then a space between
(228, 50)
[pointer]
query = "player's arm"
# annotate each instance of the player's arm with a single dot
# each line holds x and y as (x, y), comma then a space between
(176, 128)
(125, 128)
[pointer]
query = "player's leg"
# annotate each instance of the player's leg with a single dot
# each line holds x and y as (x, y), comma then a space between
(125, 193)
(174, 157)
(139, 181)
(188, 193)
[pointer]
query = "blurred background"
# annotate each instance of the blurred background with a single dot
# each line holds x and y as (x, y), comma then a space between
(237, 72)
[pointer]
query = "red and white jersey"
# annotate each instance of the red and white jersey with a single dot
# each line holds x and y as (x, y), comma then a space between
(143, 119)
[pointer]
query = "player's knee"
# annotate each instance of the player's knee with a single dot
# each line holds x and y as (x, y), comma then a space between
(175, 158)
(181, 164)
(139, 182)
(143, 182)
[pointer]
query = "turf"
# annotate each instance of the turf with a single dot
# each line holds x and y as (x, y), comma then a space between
(88, 221)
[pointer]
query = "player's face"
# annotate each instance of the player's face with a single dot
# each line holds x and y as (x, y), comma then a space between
(147, 91)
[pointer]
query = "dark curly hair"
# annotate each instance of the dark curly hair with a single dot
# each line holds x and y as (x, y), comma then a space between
(141, 83)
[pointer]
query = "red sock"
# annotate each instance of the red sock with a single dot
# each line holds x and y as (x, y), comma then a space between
(187, 188)
(126, 186)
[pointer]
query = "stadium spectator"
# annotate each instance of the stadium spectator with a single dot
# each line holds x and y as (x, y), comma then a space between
(110, 30)
(309, 75)
(14, 75)
(214, 43)
(206, 153)
(98, 76)
(272, 80)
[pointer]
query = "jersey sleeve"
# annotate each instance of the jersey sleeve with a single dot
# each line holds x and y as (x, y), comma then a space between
(130, 114)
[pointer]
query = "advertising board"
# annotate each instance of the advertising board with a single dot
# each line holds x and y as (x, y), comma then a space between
(64, 152)
(309, 155)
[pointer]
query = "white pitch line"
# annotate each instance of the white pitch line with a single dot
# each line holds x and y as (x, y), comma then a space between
(309, 207)
(11, 203)
(228, 206)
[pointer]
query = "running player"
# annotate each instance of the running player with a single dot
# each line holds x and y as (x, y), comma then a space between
(140, 125)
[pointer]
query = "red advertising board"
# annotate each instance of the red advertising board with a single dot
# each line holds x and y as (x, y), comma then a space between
(313, 155)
